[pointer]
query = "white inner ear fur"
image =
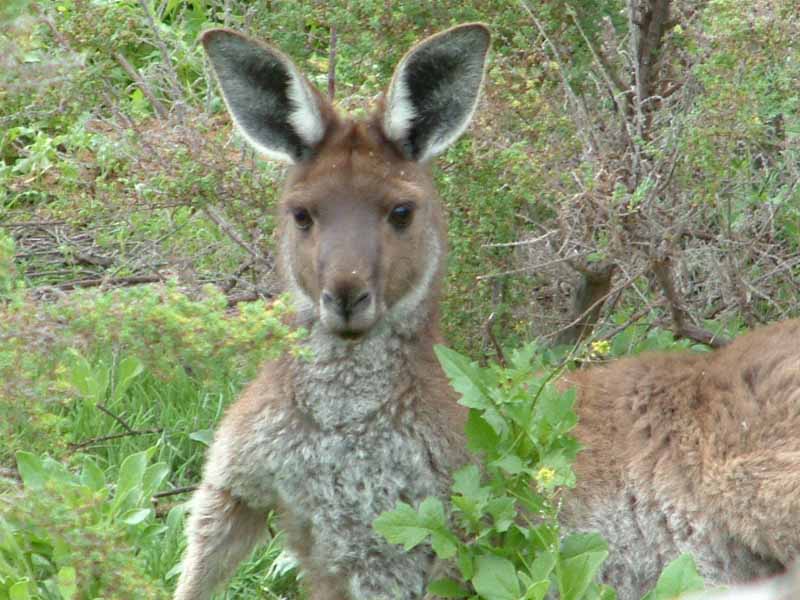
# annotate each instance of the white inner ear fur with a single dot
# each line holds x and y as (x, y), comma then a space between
(400, 111)
(305, 118)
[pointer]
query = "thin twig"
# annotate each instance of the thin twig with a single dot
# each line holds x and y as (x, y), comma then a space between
(141, 84)
(229, 230)
(117, 418)
(521, 242)
(487, 327)
(177, 91)
(174, 492)
(683, 328)
(114, 436)
(332, 65)
(109, 282)
(577, 101)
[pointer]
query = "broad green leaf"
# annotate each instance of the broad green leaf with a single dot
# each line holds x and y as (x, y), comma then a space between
(136, 516)
(466, 565)
(581, 557)
(129, 369)
(542, 566)
(19, 591)
(129, 482)
(447, 588)
(536, 590)
(153, 477)
(503, 511)
(401, 526)
(204, 436)
(495, 578)
(481, 436)
(510, 463)
(31, 470)
(67, 582)
(465, 377)
(555, 408)
(467, 482)
(443, 543)
(431, 512)
(521, 358)
(678, 577)
(91, 475)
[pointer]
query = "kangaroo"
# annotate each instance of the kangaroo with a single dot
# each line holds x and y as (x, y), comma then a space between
(333, 441)
(683, 452)
(695, 453)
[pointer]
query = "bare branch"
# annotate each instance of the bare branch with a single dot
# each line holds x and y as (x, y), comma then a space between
(590, 295)
(683, 327)
(332, 65)
(229, 230)
(141, 84)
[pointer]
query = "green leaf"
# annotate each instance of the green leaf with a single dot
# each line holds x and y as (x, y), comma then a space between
(465, 378)
(465, 563)
(510, 463)
(447, 588)
(555, 407)
(153, 477)
(678, 578)
(467, 482)
(503, 511)
(431, 512)
(129, 369)
(31, 470)
(542, 566)
(67, 582)
(19, 591)
(443, 543)
(495, 578)
(204, 436)
(401, 526)
(129, 482)
(137, 515)
(91, 475)
(581, 557)
(536, 590)
(481, 436)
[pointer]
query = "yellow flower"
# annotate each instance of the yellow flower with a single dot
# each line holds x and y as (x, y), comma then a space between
(545, 475)
(601, 347)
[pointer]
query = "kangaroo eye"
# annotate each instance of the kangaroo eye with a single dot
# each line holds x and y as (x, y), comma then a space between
(302, 218)
(401, 215)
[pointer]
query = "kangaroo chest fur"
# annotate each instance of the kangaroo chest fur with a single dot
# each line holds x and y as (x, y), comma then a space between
(348, 447)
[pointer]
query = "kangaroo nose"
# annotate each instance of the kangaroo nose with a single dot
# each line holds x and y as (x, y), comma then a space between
(346, 301)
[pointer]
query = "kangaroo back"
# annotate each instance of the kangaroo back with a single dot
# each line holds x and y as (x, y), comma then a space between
(693, 453)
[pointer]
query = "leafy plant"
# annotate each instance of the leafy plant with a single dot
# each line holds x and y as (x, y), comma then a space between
(72, 535)
(500, 527)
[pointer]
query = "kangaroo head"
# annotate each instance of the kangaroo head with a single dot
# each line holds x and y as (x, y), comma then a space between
(361, 229)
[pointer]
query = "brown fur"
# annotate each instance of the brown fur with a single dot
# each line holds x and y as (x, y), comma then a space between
(707, 444)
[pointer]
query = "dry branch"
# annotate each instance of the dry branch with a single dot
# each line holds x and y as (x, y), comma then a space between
(682, 325)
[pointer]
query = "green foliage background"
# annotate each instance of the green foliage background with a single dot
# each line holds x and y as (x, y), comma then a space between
(90, 163)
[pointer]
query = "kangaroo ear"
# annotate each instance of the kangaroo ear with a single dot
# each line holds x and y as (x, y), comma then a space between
(276, 109)
(434, 91)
